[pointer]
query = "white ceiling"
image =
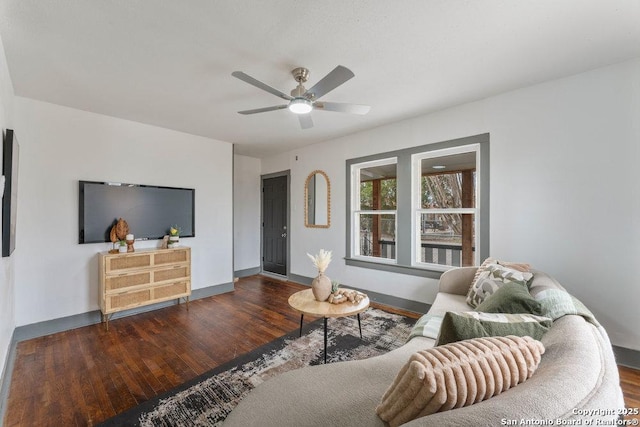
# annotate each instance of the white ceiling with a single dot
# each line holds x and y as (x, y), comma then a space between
(169, 63)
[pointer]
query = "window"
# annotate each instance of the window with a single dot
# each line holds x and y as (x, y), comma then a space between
(420, 210)
(445, 206)
(374, 209)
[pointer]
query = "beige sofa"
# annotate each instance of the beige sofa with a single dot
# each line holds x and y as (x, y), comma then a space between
(577, 379)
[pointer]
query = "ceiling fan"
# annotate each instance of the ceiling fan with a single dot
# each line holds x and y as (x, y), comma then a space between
(302, 101)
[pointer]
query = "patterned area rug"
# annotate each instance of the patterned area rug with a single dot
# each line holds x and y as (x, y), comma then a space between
(208, 399)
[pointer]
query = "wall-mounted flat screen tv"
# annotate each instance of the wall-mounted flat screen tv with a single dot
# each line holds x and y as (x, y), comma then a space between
(149, 210)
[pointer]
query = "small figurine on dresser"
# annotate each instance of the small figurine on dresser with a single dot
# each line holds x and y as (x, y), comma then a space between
(119, 233)
(130, 240)
(174, 237)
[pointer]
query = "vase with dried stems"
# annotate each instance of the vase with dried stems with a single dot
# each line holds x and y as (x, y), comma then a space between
(321, 285)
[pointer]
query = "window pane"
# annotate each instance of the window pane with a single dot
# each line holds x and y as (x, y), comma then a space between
(441, 239)
(378, 188)
(453, 187)
(378, 235)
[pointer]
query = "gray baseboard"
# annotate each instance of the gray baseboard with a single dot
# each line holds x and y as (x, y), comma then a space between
(247, 272)
(5, 378)
(210, 291)
(40, 329)
(627, 357)
(274, 276)
(405, 304)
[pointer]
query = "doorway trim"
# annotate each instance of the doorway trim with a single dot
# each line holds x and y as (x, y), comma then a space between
(286, 173)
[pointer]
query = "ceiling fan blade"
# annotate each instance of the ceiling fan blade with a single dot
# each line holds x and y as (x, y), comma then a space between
(263, 110)
(342, 107)
(305, 121)
(335, 78)
(248, 79)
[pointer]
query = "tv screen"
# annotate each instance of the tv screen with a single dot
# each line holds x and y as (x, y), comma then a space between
(149, 210)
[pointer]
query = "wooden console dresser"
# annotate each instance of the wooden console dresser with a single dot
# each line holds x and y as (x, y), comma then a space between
(143, 277)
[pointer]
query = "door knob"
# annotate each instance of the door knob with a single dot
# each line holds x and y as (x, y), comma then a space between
(283, 235)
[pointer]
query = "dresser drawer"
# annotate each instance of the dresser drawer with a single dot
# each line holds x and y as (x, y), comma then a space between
(124, 262)
(123, 281)
(128, 300)
(174, 273)
(174, 256)
(171, 291)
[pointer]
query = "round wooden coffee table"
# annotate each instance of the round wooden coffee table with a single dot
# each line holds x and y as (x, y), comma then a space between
(305, 303)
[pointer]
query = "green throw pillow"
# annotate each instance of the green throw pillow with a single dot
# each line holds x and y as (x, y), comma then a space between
(459, 326)
(511, 298)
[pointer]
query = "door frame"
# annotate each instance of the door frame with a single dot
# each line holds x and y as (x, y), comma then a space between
(286, 173)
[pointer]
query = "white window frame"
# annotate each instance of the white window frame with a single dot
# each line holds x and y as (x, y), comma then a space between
(356, 212)
(416, 203)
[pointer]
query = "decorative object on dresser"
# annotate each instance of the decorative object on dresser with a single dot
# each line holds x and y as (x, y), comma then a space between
(174, 237)
(130, 240)
(118, 233)
(148, 276)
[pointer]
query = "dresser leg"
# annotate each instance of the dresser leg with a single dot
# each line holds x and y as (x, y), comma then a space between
(105, 320)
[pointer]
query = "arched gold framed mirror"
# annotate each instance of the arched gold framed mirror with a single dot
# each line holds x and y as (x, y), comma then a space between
(317, 200)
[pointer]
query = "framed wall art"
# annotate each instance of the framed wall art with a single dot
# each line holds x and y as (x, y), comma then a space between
(10, 196)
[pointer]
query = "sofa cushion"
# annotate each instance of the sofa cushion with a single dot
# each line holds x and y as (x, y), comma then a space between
(508, 272)
(520, 266)
(482, 268)
(492, 278)
(457, 375)
(511, 298)
(458, 326)
(429, 324)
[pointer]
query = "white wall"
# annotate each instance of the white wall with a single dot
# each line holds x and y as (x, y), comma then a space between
(246, 212)
(57, 277)
(564, 194)
(277, 163)
(7, 283)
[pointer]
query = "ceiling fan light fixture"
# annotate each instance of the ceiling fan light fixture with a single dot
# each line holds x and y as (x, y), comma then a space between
(300, 105)
(302, 101)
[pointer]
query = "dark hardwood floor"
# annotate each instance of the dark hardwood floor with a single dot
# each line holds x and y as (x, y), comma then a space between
(86, 375)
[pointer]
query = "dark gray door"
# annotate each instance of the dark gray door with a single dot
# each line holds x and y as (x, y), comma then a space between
(274, 225)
